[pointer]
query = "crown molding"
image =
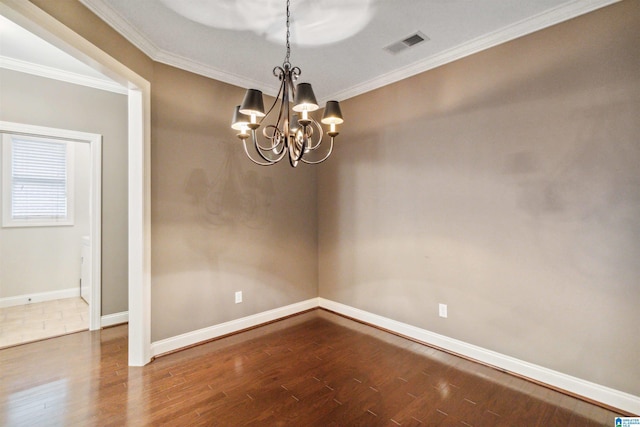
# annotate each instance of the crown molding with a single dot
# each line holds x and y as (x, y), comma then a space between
(543, 20)
(116, 21)
(56, 74)
(119, 23)
(196, 67)
(519, 29)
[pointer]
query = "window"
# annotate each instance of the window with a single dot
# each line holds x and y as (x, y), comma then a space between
(37, 181)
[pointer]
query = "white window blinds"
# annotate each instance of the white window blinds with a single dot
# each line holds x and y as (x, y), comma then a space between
(38, 180)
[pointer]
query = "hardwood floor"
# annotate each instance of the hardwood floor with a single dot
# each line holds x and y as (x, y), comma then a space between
(315, 369)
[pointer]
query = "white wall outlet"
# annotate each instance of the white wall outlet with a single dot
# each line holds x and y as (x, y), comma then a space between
(442, 310)
(238, 297)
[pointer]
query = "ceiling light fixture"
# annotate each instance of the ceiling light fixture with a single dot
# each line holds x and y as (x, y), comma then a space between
(291, 135)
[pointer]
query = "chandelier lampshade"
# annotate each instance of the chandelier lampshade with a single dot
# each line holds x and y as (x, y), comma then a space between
(295, 136)
(252, 103)
(305, 99)
(332, 113)
(332, 116)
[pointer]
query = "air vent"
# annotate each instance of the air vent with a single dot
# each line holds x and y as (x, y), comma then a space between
(413, 40)
(406, 43)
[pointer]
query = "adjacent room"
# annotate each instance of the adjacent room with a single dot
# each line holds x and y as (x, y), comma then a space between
(46, 226)
(70, 126)
(455, 244)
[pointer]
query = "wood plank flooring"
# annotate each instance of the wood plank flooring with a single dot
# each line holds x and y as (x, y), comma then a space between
(315, 369)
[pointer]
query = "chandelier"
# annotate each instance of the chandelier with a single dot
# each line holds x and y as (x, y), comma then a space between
(293, 135)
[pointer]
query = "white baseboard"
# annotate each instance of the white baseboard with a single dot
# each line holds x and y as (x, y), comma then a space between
(114, 319)
(39, 297)
(205, 334)
(596, 392)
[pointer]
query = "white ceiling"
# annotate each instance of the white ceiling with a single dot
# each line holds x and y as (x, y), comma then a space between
(23, 51)
(338, 44)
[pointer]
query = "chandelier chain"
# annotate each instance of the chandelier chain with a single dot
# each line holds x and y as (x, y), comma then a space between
(286, 59)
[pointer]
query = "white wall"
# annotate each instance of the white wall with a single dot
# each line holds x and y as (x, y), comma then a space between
(46, 259)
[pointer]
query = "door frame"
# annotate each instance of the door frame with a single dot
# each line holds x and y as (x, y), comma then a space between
(34, 19)
(95, 200)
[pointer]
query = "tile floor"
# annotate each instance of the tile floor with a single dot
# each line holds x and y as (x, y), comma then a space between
(32, 322)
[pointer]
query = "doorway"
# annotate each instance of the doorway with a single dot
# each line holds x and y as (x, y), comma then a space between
(35, 20)
(44, 299)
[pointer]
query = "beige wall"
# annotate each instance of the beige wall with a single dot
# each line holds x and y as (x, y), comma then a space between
(43, 102)
(506, 185)
(45, 259)
(219, 223)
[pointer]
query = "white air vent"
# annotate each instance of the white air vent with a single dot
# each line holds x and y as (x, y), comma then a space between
(406, 43)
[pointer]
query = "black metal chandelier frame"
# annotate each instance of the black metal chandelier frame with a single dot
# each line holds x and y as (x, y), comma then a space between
(295, 136)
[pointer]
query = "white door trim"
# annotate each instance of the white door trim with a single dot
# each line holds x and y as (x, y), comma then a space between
(34, 19)
(95, 200)
(139, 230)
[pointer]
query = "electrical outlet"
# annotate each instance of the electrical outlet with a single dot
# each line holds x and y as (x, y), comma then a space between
(238, 297)
(442, 310)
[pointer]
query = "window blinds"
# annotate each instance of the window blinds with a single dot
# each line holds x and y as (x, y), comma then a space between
(38, 179)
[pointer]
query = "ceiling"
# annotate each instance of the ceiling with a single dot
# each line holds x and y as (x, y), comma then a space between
(25, 52)
(338, 44)
(341, 46)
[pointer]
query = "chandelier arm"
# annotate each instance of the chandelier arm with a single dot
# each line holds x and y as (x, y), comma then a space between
(295, 154)
(281, 93)
(315, 162)
(273, 139)
(284, 115)
(320, 135)
(276, 100)
(260, 150)
(295, 157)
(246, 150)
(274, 145)
(278, 72)
(283, 111)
